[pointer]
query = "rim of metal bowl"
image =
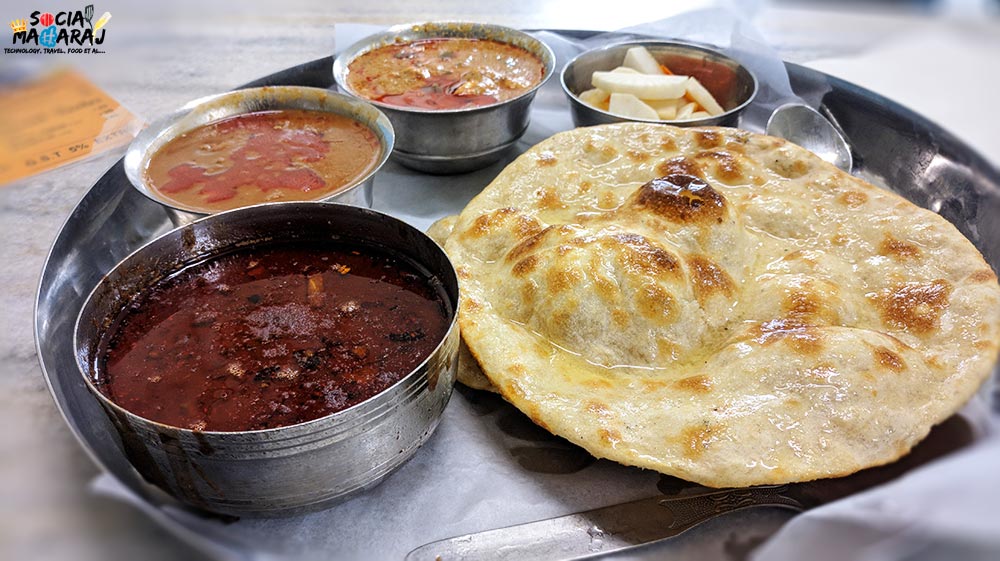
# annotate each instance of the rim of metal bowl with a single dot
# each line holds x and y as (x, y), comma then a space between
(396, 33)
(175, 123)
(372, 401)
(708, 49)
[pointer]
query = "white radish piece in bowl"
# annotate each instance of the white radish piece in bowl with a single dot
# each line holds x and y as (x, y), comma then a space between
(640, 59)
(643, 86)
(630, 107)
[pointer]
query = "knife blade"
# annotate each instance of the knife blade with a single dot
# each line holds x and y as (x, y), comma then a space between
(606, 529)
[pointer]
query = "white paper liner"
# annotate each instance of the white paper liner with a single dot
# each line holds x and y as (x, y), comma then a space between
(471, 476)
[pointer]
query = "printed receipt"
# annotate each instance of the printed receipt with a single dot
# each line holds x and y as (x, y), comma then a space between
(56, 119)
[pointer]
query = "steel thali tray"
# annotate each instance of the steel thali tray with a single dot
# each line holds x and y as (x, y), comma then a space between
(893, 148)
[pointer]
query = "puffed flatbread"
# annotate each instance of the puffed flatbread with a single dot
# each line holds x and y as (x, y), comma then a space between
(469, 372)
(718, 305)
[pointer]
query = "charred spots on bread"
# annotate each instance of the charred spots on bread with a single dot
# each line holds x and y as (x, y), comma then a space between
(525, 266)
(983, 276)
(696, 439)
(888, 359)
(801, 337)
(708, 278)
(680, 165)
(708, 139)
(852, 199)
(898, 249)
(653, 301)
(699, 383)
(492, 222)
(914, 306)
(548, 198)
(562, 279)
(487, 223)
(530, 243)
(682, 198)
(546, 159)
(728, 167)
(640, 255)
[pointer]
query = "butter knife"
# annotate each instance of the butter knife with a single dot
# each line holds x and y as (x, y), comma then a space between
(607, 529)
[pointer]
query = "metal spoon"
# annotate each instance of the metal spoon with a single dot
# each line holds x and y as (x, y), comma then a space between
(808, 128)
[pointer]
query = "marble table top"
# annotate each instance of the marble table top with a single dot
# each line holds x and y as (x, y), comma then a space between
(160, 57)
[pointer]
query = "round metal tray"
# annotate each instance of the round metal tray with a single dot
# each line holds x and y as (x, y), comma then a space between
(893, 147)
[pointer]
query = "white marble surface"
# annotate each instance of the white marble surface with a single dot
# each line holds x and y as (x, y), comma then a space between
(161, 57)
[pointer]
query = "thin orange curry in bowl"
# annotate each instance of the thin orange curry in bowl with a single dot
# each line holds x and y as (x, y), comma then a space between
(263, 156)
(445, 73)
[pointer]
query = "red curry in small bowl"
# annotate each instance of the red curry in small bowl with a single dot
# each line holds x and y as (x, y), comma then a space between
(445, 73)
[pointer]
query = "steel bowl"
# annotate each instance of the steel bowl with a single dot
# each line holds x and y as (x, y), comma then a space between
(733, 85)
(294, 468)
(269, 98)
(455, 140)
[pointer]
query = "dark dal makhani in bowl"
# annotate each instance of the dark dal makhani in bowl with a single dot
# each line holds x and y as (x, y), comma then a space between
(258, 145)
(271, 336)
(273, 359)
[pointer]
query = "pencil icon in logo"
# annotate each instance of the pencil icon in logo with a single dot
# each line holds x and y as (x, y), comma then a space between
(102, 21)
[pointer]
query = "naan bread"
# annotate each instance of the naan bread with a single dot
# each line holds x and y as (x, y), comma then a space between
(720, 306)
(469, 372)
